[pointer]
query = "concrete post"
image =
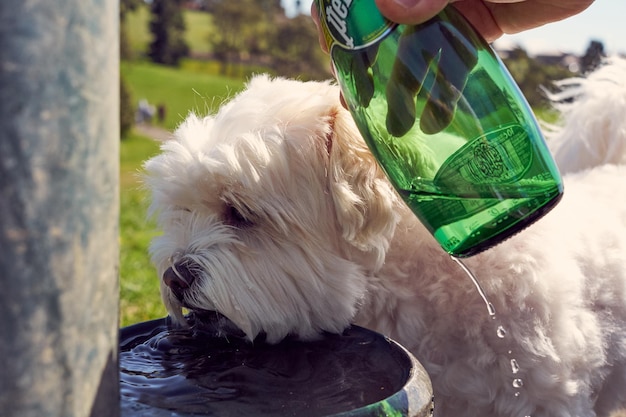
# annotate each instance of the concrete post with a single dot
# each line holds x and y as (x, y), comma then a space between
(59, 142)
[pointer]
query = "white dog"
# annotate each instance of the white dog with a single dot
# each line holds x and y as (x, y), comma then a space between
(275, 214)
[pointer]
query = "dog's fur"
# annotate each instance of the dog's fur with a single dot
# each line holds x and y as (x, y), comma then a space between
(593, 109)
(278, 209)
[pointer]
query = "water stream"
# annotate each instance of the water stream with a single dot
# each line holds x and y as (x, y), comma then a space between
(501, 332)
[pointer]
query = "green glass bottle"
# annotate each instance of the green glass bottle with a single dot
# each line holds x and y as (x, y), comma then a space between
(445, 121)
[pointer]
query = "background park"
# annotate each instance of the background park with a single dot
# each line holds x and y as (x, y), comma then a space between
(182, 56)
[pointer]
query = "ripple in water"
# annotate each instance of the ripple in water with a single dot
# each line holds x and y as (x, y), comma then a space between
(177, 372)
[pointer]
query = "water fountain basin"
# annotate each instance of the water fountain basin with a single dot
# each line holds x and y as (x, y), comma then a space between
(204, 370)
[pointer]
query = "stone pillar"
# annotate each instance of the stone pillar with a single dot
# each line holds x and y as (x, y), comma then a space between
(59, 153)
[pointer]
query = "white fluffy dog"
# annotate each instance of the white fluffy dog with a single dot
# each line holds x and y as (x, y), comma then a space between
(275, 214)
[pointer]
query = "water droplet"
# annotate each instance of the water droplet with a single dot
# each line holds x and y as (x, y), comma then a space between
(517, 394)
(501, 332)
(518, 383)
(514, 366)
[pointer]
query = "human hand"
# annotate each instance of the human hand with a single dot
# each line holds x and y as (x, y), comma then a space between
(492, 18)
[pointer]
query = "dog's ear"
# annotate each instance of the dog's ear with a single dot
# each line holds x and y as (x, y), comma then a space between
(364, 199)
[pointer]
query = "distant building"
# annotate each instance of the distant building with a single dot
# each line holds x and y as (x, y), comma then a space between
(567, 60)
(564, 59)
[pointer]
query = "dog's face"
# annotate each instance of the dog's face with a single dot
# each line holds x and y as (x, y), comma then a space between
(273, 212)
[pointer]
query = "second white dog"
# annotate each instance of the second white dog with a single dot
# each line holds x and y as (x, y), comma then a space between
(275, 214)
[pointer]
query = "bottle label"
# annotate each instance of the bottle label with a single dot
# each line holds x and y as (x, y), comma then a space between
(501, 156)
(352, 24)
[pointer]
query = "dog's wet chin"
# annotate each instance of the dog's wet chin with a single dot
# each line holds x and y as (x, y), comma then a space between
(207, 321)
(225, 323)
(215, 323)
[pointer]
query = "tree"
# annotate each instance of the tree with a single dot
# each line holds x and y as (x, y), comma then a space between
(243, 28)
(167, 25)
(126, 6)
(593, 57)
(258, 32)
(532, 76)
(296, 50)
(127, 110)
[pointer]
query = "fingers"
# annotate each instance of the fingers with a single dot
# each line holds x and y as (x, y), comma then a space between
(479, 12)
(410, 11)
(320, 33)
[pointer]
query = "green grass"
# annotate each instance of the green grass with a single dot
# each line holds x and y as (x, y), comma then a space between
(139, 285)
(180, 90)
(547, 115)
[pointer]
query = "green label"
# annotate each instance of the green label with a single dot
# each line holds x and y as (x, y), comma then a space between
(501, 156)
(352, 24)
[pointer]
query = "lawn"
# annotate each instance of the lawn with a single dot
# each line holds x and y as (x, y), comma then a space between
(181, 90)
(139, 286)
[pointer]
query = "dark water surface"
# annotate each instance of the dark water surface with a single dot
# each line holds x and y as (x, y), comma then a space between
(167, 371)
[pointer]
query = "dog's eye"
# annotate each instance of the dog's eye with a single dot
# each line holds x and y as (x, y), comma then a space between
(234, 217)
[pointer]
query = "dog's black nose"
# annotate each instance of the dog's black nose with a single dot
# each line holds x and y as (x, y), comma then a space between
(178, 278)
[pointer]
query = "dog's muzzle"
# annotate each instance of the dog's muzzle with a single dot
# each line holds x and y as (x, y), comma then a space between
(179, 279)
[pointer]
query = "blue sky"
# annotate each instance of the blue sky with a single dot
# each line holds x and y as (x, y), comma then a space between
(604, 20)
